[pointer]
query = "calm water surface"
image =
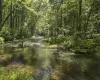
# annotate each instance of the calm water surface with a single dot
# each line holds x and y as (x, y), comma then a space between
(53, 64)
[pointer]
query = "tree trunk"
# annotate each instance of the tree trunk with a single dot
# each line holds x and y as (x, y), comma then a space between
(11, 17)
(80, 15)
(88, 19)
(61, 16)
(7, 18)
(79, 21)
(11, 20)
(0, 14)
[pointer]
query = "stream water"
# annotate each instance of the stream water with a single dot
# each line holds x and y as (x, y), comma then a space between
(53, 64)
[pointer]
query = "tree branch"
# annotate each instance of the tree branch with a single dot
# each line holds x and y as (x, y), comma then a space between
(6, 19)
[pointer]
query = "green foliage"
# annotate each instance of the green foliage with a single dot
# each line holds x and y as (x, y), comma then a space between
(64, 22)
(84, 46)
(14, 75)
(68, 43)
(5, 33)
(33, 37)
(5, 59)
(51, 40)
(61, 39)
(1, 40)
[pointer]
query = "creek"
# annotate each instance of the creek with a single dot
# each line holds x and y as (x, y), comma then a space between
(54, 64)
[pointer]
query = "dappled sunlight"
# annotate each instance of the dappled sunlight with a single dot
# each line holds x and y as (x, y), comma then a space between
(49, 40)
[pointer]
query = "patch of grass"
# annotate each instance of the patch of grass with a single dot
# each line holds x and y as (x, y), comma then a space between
(5, 59)
(16, 72)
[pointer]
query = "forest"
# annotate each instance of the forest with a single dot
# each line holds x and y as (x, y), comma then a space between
(49, 39)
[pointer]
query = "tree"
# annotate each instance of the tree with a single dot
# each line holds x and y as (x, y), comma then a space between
(0, 13)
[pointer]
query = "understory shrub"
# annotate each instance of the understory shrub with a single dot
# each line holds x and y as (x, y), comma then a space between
(84, 46)
(5, 33)
(1, 40)
(56, 39)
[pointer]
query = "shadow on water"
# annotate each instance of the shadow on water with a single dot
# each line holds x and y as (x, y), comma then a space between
(76, 66)
(53, 64)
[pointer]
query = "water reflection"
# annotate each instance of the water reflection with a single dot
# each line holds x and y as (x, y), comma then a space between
(76, 67)
(53, 64)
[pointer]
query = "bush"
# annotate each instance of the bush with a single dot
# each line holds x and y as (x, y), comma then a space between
(33, 37)
(60, 39)
(1, 40)
(69, 42)
(5, 33)
(84, 46)
(56, 39)
(51, 40)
